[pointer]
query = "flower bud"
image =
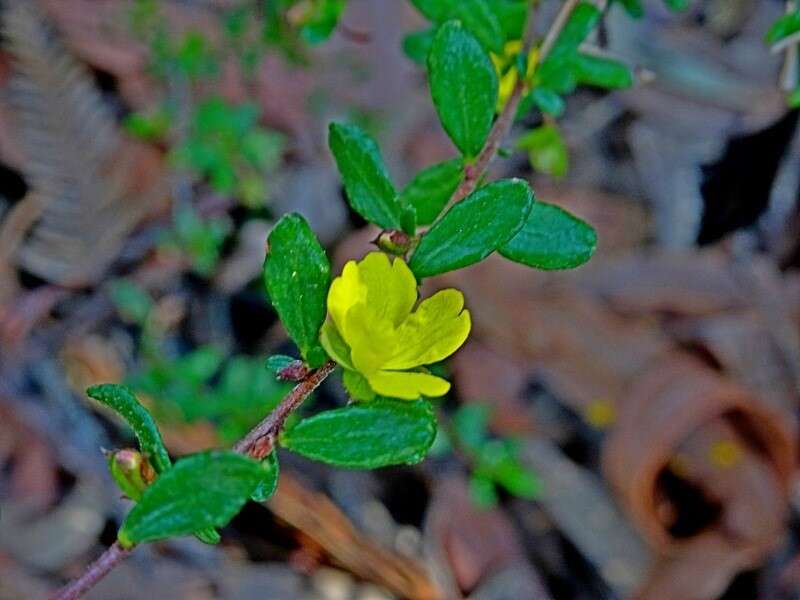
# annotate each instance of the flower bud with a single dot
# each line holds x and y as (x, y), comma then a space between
(393, 241)
(131, 472)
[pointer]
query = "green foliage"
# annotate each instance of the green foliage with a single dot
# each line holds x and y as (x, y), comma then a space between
(366, 180)
(431, 188)
(417, 45)
(783, 27)
(269, 483)
(120, 399)
(551, 238)
(494, 462)
(297, 275)
(226, 145)
(473, 228)
(677, 5)
(200, 491)
(278, 362)
(463, 86)
(366, 436)
(199, 239)
(547, 150)
(132, 302)
(601, 72)
(191, 388)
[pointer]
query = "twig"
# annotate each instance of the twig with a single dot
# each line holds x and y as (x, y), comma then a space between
(473, 172)
(261, 439)
(94, 573)
(256, 444)
(555, 29)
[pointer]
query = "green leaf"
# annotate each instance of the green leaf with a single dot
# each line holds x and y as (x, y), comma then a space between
(366, 180)
(321, 21)
(431, 188)
(208, 536)
(463, 85)
(677, 5)
(297, 274)
(366, 436)
(783, 27)
(121, 400)
(201, 491)
(132, 301)
(633, 8)
(551, 239)
(269, 483)
(471, 422)
(482, 491)
(278, 362)
(473, 228)
(546, 149)
(793, 99)
(582, 20)
(511, 15)
(601, 72)
(357, 386)
(548, 101)
(417, 45)
(477, 17)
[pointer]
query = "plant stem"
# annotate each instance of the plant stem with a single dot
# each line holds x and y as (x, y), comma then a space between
(474, 171)
(256, 444)
(113, 555)
(261, 439)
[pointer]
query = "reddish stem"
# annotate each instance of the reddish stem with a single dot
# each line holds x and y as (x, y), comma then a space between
(113, 555)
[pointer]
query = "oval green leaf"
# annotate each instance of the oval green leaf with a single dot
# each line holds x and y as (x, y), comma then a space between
(366, 436)
(269, 483)
(463, 85)
(122, 400)
(366, 180)
(551, 239)
(431, 188)
(199, 492)
(473, 228)
(601, 72)
(297, 274)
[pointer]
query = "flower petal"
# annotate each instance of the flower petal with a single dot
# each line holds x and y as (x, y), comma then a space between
(391, 287)
(407, 386)
(346, 291)
(334, 345)
(433, 332)
(372, 339)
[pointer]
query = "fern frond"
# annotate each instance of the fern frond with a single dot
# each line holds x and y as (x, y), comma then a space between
(76, 158)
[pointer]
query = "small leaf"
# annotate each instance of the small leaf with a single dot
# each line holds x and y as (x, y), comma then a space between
(482, 491)
(297, 275)
(473, 228)
(417, 45)
(319, 23)
(480, 21)
(201, 491)
(546, 149)
(464, 87)
(366, 180)
(121, 400)
(633, 8)
(431, 188)
(357, 386)
(208, 536)
(131, 301)
(551, 239)
(278, 362)
(471, 422)
(366, 436)
(548, 101)
(269, 483)
(602, 72)
(582, 20)
(783, 27)
(477, 17)
(677, 5)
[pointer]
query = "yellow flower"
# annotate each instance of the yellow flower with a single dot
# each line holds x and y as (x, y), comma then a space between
(507, 73)
(373, 331)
